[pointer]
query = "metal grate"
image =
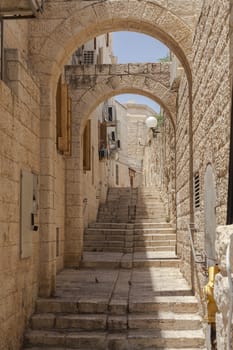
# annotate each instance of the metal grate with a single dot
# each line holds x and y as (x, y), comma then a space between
(88, 57)
(196, 191)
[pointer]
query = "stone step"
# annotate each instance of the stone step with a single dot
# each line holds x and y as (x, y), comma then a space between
(170, 303)
(137, 340)
(113, 225)
(166, 248)
(65, 305)
(70, 321)
(138, 239)
(104, 243)
(62, 348)
(140, 263)
(154, 243)
(148, 220)
(117, 260)
(90, 322)
(154, 230)
(106, 260)
(104, 237)
(154, 237)
(155, 216)
(151, 225)
(109, 249)
(150, 208)
(165, 321)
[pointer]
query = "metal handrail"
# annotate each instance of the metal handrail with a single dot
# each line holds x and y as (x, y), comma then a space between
(228, 268)
(203, 261)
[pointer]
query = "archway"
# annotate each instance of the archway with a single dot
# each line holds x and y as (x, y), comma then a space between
(64, 27)
(83, 106)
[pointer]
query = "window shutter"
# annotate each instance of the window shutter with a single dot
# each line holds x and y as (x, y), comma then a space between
(87, 146)
(64, 105)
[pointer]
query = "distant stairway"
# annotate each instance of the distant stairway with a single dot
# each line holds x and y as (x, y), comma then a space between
(118, 230)
(129, 293)
(120, 205)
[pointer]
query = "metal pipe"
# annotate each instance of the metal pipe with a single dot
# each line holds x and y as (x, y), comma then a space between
(200, 256)
(2, 48)
(228, 268)
(230, 175)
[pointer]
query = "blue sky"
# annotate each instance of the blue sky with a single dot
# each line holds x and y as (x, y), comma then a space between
(137, 48)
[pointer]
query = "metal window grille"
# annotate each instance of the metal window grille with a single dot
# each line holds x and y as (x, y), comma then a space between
(196, 191)
(88, 57)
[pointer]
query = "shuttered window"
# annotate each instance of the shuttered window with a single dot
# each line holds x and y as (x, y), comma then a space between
(63, 111)
(87, 146)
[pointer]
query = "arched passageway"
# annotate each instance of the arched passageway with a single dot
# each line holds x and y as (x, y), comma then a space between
(87, 92)
(54, 37)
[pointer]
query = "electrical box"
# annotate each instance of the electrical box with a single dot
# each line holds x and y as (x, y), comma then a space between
(28, 211)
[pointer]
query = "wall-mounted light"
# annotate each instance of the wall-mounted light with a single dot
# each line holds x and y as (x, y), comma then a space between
(151, 123)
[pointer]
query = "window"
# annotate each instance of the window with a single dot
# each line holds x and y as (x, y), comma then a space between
(103, 153)
(87, 146)
(102, 135)
(113, 136)
(117, 174)
(107, 40)
(196, 191)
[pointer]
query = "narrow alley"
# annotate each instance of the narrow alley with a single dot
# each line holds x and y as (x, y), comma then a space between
(129, 292)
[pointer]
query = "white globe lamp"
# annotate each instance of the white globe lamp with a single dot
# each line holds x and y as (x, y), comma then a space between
(151, 122)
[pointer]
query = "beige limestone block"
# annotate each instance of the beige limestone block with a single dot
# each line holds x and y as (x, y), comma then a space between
(152, 12)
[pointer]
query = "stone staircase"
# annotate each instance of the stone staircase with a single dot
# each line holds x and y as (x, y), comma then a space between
(146, 230)
(120, 205)
(125, 296)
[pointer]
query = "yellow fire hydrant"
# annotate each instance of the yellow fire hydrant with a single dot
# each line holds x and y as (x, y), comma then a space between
(209, 294)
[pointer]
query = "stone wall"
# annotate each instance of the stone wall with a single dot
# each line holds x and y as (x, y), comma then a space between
(210, 122)
(222, 291)
(211, 94)
(19, 150)
(182, 177)
(168, 169)
(211, 103)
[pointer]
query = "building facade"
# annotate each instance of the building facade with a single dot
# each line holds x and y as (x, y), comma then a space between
(42, 170)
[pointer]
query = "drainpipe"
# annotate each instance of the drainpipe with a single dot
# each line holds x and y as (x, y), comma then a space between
(230, 176)
(2, 47)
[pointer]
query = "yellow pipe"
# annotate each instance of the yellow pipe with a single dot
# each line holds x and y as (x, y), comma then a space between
(209, 294)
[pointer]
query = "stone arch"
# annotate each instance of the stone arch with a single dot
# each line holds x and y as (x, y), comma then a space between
(67, 25)
(83, 105)
(147, 86)
(64, 26)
